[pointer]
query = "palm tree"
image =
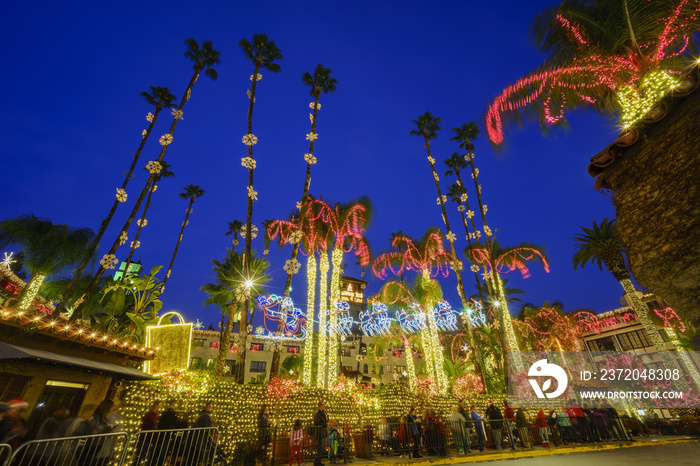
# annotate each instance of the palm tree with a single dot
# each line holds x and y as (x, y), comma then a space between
(266, 224)
(319, 82)
(603, 54)
(160, 98)
(457, 193)
(230, 289)
(165, 172)
(48, 249)
(204, 59)
(600, 244)
(427, 127)
(496, 260)
(234, 228)
(263, 53)
(190, 192)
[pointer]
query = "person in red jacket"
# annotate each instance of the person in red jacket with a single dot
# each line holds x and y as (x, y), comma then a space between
(541, 421)
(149, 421)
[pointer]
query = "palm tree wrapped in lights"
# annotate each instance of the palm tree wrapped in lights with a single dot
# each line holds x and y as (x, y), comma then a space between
(601, 245)
(263, 53)
(428, 258)
(427, 127)
(204, 59)
(495, 261)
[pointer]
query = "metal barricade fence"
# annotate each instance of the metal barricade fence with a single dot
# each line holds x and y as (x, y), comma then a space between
(274, 445)
(92, 450)
(197, 446)
(5, 452)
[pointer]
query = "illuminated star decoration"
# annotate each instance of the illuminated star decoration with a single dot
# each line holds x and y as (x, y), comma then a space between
(8, 260)
(198, 325)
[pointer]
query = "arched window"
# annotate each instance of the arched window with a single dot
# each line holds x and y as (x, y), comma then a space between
(365, 369)
(374, 369)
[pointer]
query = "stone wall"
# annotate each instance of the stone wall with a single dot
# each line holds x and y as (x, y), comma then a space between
(656, 186)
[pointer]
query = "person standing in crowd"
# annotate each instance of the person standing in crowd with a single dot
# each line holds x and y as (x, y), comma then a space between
(384, 436)
(149, 422)
(565, 427)
(415, 430)
(320, 431)
(552, 423)
(169, 419)
(404, 438)
(55, 426)
(4, 409)
(13, 424)
(94, 452)
(479, 426)
(296, 435)
(466, 426)
(509, 415)
(264, 434)
(493, 414)
(204, 418)
(169, 443)
(573, 420)
(541, 421)
(523, 427)
(456, 425)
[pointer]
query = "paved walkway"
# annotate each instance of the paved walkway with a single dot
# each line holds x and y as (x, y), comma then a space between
(538, 453)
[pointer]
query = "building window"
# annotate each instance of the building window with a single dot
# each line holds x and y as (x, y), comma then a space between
(633, 340)
(347, 353)
(365, 368)
(602, 344)
(381, 370)
(257, 346)
(258, 366)
(374, 369)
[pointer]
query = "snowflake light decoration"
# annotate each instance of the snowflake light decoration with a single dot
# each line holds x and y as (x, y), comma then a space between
(143, 133)
(109, 261)
(249, 139)
(451, 236)
(177, 113)
(442, 198)
(8, 260)
(149, 117)
(184, 224)
(461, 208)
(475, 173)
(474, 268)
(487, 230)
(135, 244)
(154, 167)
(463, 197)
(198, 325)
(311, 136)
(258, 77)
(260, 330)
(253, 194)
(253, 232)
(470, 213)
(123, 238)
(165, 139)
(292, 266)
(121, 195)
(266, 252)
(142, 222)
(295, 237)
(310, 159)
(249, 163)
(311, 106)
(431, 160)
(235, 241)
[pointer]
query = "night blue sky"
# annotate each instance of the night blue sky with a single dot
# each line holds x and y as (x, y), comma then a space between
(71, 116)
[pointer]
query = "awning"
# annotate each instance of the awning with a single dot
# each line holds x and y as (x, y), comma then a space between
(8, 351)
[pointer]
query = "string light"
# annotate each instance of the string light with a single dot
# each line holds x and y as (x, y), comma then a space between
(310, 305)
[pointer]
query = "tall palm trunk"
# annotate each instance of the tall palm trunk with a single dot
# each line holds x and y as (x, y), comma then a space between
(310, 305)
(508, 339)
(410, 365)
(650, 328)
(179, 240)
(140, 227)
(476, 352)
(337, 262)
(243, 330)
(31, 289)
(324, 267)
(274, 366)
(60, 307)
(466, 228)
(224, 343)
(139, 200)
